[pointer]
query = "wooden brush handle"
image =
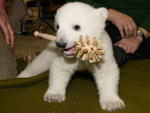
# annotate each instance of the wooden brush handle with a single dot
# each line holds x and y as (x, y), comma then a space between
(45, 36)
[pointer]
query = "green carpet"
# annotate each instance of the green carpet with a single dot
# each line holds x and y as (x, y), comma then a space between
(26, 95)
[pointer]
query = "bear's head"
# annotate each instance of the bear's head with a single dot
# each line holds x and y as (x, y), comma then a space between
(75, 19)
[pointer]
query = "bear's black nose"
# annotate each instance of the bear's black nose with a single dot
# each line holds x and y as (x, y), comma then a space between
(61, 44)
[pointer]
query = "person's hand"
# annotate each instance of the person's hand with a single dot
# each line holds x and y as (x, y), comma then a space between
(130, 45)
(6, 27)
(123, 22)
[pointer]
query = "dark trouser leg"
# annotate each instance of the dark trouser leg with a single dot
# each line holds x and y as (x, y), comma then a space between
(143, 51)
(119, 53)
(7, 62)
(113, 33)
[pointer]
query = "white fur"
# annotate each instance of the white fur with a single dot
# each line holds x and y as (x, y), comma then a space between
(106, 72)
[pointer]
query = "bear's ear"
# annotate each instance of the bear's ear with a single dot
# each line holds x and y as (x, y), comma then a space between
(102, 12)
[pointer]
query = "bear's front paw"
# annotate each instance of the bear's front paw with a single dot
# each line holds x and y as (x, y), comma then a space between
(57, 98)
(112, 105)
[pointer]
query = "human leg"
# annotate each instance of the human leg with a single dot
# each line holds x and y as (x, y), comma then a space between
(143, 51)
(119, 53)
(7, 62)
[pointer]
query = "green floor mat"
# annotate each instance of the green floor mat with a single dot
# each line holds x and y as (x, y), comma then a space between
(25, 95)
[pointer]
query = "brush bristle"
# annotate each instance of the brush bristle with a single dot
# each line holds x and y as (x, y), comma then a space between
(89, 49)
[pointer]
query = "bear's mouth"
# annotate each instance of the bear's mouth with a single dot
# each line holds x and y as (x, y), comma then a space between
(69, 53)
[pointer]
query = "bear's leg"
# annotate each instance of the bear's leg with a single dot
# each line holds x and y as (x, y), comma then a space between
(40, 64)
(107, 83)
(58, 81)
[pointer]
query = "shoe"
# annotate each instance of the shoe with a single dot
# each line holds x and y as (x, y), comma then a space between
(120, 55)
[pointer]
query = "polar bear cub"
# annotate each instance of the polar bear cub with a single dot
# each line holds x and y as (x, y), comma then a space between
(71, 20)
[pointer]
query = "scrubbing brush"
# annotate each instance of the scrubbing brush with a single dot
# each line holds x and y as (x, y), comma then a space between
(88, 49)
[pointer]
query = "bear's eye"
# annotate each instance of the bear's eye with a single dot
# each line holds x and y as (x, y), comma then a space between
(57, 27)
(77, 27)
